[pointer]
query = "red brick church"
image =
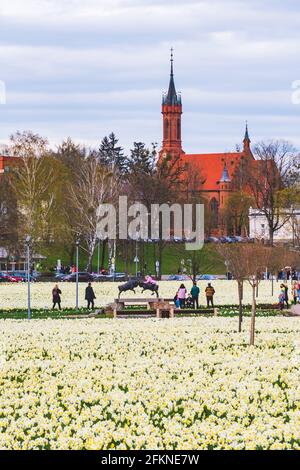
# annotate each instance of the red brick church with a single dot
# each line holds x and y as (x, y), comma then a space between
(217, 175)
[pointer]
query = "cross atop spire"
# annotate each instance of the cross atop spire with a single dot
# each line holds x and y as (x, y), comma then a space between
(246, 132)
(172, 99)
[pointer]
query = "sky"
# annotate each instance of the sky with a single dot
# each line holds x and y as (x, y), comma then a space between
(84, 68)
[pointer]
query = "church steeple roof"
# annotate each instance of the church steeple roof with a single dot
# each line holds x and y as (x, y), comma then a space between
(247, 138)
(172, 98)
(225, 175)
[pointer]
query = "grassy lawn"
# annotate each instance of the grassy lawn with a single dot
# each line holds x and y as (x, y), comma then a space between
(172, 256)
(17, 314)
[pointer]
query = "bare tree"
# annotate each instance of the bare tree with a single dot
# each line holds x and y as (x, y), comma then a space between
(92, 188)
(233, 256)
(276, 168)
(37, 185)
(255, 259)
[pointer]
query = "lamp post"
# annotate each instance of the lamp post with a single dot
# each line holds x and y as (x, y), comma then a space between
(98, 267)
(27, 243)
(77, 269)
(136, 259)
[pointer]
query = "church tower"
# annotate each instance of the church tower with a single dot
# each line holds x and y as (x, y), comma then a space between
(225, 187)
(247, 140)
(171, 111)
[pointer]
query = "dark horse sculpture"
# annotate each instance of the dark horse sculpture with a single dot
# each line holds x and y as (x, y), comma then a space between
(132, 285)
(149, 286)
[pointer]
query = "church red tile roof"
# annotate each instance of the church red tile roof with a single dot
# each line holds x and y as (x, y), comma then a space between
(210, 167)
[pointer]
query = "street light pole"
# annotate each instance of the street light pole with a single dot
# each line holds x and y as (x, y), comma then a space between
(98, 267)
(136, 258)
(77, 269)
(27, 242)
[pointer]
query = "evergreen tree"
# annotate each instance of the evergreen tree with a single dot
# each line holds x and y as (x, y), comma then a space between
(142, 160)
(111, 154)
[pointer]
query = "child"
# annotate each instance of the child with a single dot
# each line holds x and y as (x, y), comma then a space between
(177, 301)
(282, 299)
(189, 302)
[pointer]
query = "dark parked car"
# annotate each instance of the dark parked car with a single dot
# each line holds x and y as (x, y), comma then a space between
(82, 277)
(109, 277)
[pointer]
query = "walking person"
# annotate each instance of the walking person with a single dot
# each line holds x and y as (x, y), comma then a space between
(56, 293)
(295, 292)
(90, 296)
(281, 297)
(210, 292)
(299, 292)
(285, 289)
(182, 295)
(195, 292)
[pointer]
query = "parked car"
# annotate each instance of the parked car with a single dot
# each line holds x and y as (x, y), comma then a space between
(205, 277)
(213, 240)
(82, 277)
(5, 277)
(178, 277)
(109, 277)
(22, 276)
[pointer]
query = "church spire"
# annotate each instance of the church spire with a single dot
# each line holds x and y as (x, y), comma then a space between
(172, 99)
(225, 175)
(247, 140)
(171, 111)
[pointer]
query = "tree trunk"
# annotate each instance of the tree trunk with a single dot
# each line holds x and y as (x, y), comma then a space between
(160, 257)
(103, 253)
(253, 315)
(240, 288)
(71, 253)
(271, 236)
(91, 250)
(272, 285)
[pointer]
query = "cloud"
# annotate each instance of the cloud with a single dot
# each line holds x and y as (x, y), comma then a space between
(86, 68)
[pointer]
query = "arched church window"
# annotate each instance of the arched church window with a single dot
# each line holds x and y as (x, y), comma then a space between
(214, 211)
(178, 129)
(166, 129)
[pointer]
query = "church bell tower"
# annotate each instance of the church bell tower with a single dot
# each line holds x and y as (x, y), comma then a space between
(171, 111)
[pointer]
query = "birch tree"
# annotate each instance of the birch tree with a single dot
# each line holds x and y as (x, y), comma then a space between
(92, 189)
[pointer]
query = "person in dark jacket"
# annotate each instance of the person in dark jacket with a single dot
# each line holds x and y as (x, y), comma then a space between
(56, 293)
(90, 296)
(195, 292)
(286, 294)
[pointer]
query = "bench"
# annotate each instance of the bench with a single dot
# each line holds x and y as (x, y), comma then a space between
(212, 311)
(161, 307)
(120, 303)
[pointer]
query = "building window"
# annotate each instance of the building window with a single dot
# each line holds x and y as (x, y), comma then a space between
(178, 129)
(214, 212)
(166, 129)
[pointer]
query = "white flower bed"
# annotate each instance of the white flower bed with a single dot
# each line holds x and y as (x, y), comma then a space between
(148, 384)
(15, 295)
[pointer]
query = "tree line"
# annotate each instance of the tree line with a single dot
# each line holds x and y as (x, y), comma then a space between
(53, 194)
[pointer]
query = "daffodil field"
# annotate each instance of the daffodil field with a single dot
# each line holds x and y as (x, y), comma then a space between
(190, 383)
(14, 296)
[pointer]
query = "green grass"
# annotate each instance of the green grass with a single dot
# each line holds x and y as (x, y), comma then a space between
(231, 311)
(17, 314)
(172, 256)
